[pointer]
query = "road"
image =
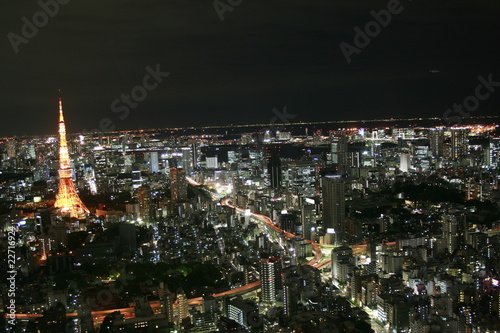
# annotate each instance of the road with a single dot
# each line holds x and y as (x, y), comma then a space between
(318, 253)
(155, 305)
(318, 262)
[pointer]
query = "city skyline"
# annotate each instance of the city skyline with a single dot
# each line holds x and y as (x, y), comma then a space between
(257, 230)
(250, 166)
(275, 126)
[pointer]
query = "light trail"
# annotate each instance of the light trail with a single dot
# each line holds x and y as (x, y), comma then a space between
(155, 305)
(317, 250)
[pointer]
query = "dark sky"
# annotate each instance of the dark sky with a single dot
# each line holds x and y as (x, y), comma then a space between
(263, 55)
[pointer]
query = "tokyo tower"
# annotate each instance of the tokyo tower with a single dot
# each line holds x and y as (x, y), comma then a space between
(67, 199)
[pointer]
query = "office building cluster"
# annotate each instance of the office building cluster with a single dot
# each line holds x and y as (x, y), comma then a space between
(310, 228)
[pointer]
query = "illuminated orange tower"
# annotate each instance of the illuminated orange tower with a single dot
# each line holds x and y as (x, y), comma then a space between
(67, 199)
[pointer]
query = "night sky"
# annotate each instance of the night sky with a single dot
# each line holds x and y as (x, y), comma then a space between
(263, 55)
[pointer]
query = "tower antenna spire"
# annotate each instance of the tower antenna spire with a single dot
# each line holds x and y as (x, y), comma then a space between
(61, 117)
(67, 199)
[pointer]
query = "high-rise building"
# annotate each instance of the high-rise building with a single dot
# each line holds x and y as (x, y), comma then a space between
(436, 139)
(404, 164)
(403, 133)
(182, 304)
(187, 161)
(342, 263)
(212, 162)
(450, 230)
(473, 189)
(178, 186)
(11, 147)
(153, 162)
(145, 208)
(127, 237)
(209, 304)
(58, 235)
(339, 153)
(67, 200)
(270, 276)
(308, 218)
(302, 176)
(205, 322)
(85, 323)
(494, 152)
(290, 300)
(136, 179)
(195, 146)
(459, 142)
(487, 156)
(333, 189)
(167, 304)
(290, 222)
(243, 313)
(353, 163)
(274, 170)
(391, 263)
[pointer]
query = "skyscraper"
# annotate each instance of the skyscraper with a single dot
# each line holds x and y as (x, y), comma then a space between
(67, 200)
(339, 153)
(166, 302)
(167, 306)
(334, 209)
(342, 263)
(404, 162)
(436, 139)
(209, 304)
(274, 170)
(290, 300)
(212, 162)
(450, 232)
(153, 162)
(302, 178)
(182, 305)
(187, 159)
(270, 276)
(308, 218)
(145, 207)
(178, 186)
(459, 142)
